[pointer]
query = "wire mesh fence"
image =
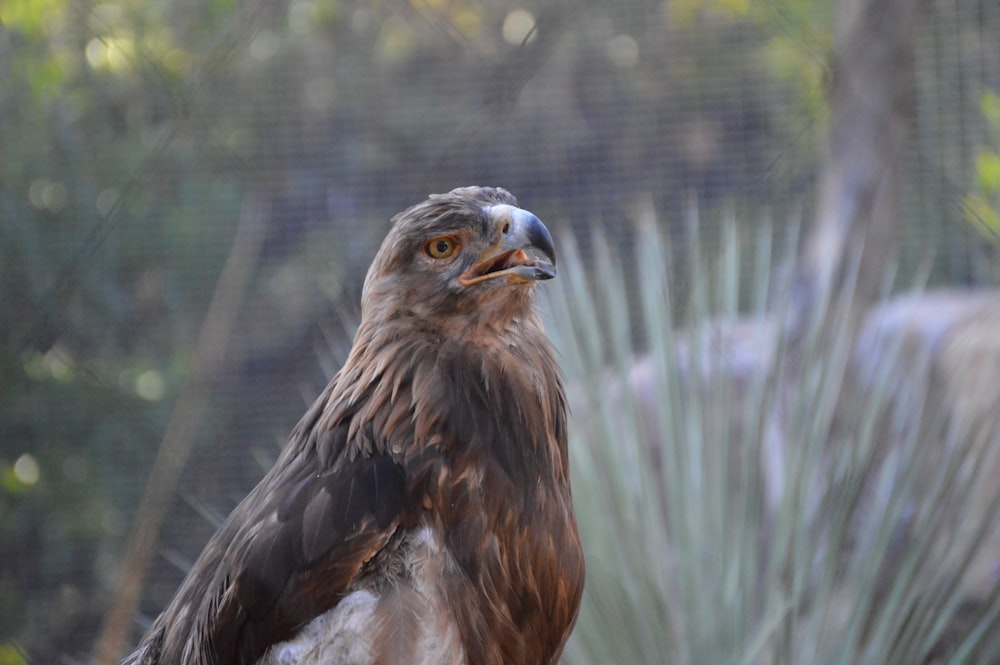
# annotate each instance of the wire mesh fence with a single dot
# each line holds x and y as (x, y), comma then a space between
(134, 136)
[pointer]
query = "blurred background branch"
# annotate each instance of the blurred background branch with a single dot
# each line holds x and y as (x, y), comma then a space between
(181, 431)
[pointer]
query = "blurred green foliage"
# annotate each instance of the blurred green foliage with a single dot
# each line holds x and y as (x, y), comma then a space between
(10, 656)
(982, 205)
(100, 279)
(133, 132)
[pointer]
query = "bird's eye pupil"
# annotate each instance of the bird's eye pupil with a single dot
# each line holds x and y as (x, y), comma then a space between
(440, 248)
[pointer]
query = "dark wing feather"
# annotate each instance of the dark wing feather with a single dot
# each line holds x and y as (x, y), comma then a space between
(287, 553)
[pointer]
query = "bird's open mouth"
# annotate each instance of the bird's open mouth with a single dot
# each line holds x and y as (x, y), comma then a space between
(515, 264)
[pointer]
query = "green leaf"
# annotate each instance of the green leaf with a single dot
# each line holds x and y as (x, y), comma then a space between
(982, 216)
(989, 103)
(988, 171)
(30, 17)
(11, 655)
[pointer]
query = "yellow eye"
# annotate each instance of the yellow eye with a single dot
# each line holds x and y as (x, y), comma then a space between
(440, 248)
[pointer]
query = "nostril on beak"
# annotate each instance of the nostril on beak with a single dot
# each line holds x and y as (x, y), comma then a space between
(506, 228)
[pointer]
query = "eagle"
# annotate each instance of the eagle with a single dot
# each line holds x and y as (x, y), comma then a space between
(420, 512)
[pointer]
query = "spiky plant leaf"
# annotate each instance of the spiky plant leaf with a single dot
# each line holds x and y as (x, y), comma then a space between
(724, 523)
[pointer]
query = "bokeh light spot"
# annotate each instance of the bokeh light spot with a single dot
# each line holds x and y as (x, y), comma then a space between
(519, 27)
(26, 469)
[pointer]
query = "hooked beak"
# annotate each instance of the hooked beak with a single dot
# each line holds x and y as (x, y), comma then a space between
(520, 233)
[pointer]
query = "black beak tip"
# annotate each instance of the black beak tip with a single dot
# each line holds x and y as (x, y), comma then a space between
(544, 271)
(539, 238)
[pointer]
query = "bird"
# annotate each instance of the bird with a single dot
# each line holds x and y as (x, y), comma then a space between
(420, 512)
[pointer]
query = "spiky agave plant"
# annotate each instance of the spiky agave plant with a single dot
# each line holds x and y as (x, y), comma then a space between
(847, 524)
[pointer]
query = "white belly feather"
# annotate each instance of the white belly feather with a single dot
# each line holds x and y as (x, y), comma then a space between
(407, 622)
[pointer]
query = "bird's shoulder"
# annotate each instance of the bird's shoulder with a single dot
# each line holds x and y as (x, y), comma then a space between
(288, 552)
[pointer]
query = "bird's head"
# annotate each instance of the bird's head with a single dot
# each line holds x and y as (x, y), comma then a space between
(459, 259)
